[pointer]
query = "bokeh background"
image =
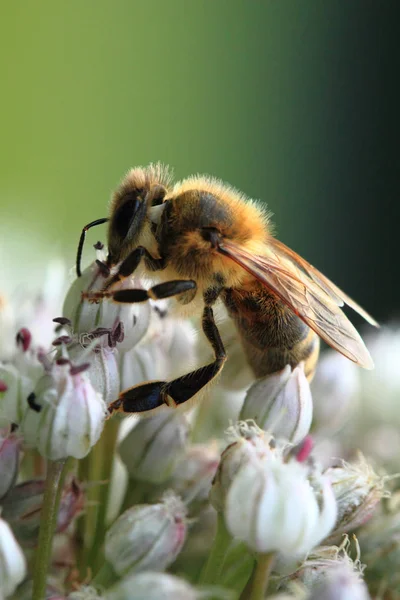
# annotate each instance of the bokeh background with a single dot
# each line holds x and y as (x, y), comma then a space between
(295, 103)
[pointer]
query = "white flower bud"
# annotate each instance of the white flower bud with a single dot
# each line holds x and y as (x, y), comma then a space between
(103, 371)
(335, 390)
(9, 461)
(86, 316)
(194, 473)
(66, 415)
(16, 383)
(358, 490)
(152, 448)
(249, 443)
(281, 403)
(271, 506)
(151, 586)
(12, 561)
(340, 583)
(85, 592)
(147, 536)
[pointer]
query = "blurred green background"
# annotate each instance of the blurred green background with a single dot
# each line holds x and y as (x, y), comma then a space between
(292, 102)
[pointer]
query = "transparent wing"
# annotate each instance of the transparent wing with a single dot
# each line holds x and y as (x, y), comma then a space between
(316, 302)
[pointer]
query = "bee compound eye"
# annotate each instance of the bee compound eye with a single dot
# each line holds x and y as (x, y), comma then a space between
(125, 214)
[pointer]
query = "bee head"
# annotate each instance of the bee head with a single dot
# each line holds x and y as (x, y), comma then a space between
(141, 189)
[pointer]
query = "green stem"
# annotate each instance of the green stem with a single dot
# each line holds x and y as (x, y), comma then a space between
(105, 576)
(48, 520)
(108, 441)
(212, 569)
(257, 585)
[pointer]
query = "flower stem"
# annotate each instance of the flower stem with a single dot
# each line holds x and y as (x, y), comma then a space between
(212, 569)
(108, 441)
(48, 520)
(257, 585)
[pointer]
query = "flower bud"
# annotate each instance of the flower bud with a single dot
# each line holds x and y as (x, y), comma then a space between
(249, 444)
(103, 371)
(152, 586)
(147, 536)
(152, 448)
(17, 382)
(358, 490)
(271, 506)
(21, 508)
(194, 473)
(340, 583)
(335, 389)
(9, 461)
(86, 592)
(86, 316)
(281, 403)
(12, 561)
(66, 414)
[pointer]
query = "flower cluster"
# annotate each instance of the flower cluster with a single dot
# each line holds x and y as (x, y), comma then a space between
(249, 493)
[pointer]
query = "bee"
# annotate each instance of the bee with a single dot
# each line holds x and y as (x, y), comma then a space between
(210, 243)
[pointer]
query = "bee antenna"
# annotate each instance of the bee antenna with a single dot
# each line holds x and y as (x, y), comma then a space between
(82, 241)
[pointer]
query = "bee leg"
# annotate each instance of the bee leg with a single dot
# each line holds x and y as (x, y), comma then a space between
(157, 292)
(152, 395)
(131, 263)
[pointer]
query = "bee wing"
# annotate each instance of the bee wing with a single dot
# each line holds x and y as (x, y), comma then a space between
(316, 304)
(324, 283)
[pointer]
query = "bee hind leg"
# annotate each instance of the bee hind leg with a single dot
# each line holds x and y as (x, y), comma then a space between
(166, 289)
(153, 394)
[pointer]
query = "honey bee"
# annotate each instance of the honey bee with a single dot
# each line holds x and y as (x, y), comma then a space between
(209, 242)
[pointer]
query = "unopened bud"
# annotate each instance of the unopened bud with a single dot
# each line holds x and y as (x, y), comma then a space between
(66, 414)
(340, 583)
(86, 592)
(194, 473)
(86, 316)
(152, 586)
(147, 536)
(9, 461)
(103, 370)
(152, 448)
(358, 490)
(335, 390)
(271, 506)
(249, 443)
(12, 561)
(15, 387)
(281, 403)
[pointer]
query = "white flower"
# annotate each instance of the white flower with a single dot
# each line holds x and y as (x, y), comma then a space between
(151, 450)
(249, 444)
(281, 403)
(358, 490)
(12, 561)
(147, 537)
(86, 316)
(66, 415)
(335, 390)
(152, 586)
(271, 506)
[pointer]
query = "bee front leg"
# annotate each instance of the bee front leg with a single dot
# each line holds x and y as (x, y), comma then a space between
(153, 394)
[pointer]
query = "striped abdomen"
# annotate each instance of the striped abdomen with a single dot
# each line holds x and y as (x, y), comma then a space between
(271, 334)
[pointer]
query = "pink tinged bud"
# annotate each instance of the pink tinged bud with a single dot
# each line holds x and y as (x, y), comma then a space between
(9, 461)
(86, 316)
(194, 473)
(335, 390)
(272, 507)
(282, 404)
(152, 586)
(153, 447)
(66, 415)
(12, 561)
(146, 537)
(358, 491)
(3, 386)
(71, 504)
(304, 449)
(250, 444)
